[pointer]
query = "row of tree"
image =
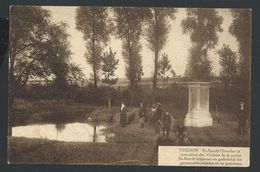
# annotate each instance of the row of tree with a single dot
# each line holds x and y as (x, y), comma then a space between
(203, 25)
(40, 48)
(128, 24)
(109, 63)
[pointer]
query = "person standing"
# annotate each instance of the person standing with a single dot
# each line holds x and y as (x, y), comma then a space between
(157, 118)
(153, 110)
(159, 112)
(167, 121)
(123, 112)
(142, 114)
(241, 115)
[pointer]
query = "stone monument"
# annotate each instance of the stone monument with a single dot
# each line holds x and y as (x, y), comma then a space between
(198, 111)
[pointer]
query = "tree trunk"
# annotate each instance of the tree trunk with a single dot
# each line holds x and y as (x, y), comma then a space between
(130, 66)
(94, 75)
(94, 132)
(93, 51)
(164, 80)
(94, 62)
(156, 53)
(109, 104)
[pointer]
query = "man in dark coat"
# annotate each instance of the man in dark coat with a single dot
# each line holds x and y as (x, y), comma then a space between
(123, 112)
(167, 121)
(241, 115)
(158, 112)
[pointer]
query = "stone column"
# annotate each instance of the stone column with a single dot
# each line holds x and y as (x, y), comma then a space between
(198, 112)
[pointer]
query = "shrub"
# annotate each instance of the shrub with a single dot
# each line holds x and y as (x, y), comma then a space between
(176, 96)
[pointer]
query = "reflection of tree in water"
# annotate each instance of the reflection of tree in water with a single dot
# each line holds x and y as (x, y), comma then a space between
(59, 127)
(94, 122)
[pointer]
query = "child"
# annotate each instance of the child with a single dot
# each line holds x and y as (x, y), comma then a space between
(167, 120)
(182, 136)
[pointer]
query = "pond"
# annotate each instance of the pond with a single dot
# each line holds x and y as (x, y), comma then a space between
(70, 132)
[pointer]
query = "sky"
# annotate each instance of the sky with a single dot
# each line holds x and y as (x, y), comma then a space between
(177, 46)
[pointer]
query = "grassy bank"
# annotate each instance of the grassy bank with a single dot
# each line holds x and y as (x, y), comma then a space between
(131, 145)
(220, 134)
(22, 150)
(58, 111)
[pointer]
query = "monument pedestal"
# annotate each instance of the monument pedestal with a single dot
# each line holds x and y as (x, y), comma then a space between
(198, 112)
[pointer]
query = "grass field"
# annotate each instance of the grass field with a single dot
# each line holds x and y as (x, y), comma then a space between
(131, 145)
(37, 151)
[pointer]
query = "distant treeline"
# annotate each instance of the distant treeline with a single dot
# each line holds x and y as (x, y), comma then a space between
(222, 97)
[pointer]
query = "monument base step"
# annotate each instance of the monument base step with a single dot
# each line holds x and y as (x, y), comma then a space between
(198, 119)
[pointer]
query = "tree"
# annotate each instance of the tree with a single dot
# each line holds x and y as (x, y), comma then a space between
(59, 56)
(129, 24)
(157, 32)
(58, 59)
(199, 67)
(109, 65)
(134, 67)
(229, 65)
(203, 26)
(41, 50)
(164, 67)
(241, 28)
(75, 75)
(26, 32)
(27, 27)
(95, 24)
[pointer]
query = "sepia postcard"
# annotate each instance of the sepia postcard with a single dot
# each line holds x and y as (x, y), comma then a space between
(147, 86)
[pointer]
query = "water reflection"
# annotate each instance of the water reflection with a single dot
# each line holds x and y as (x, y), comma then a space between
(72, 132)
(60, 127)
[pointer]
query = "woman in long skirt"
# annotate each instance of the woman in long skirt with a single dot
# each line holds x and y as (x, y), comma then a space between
(123, 111)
